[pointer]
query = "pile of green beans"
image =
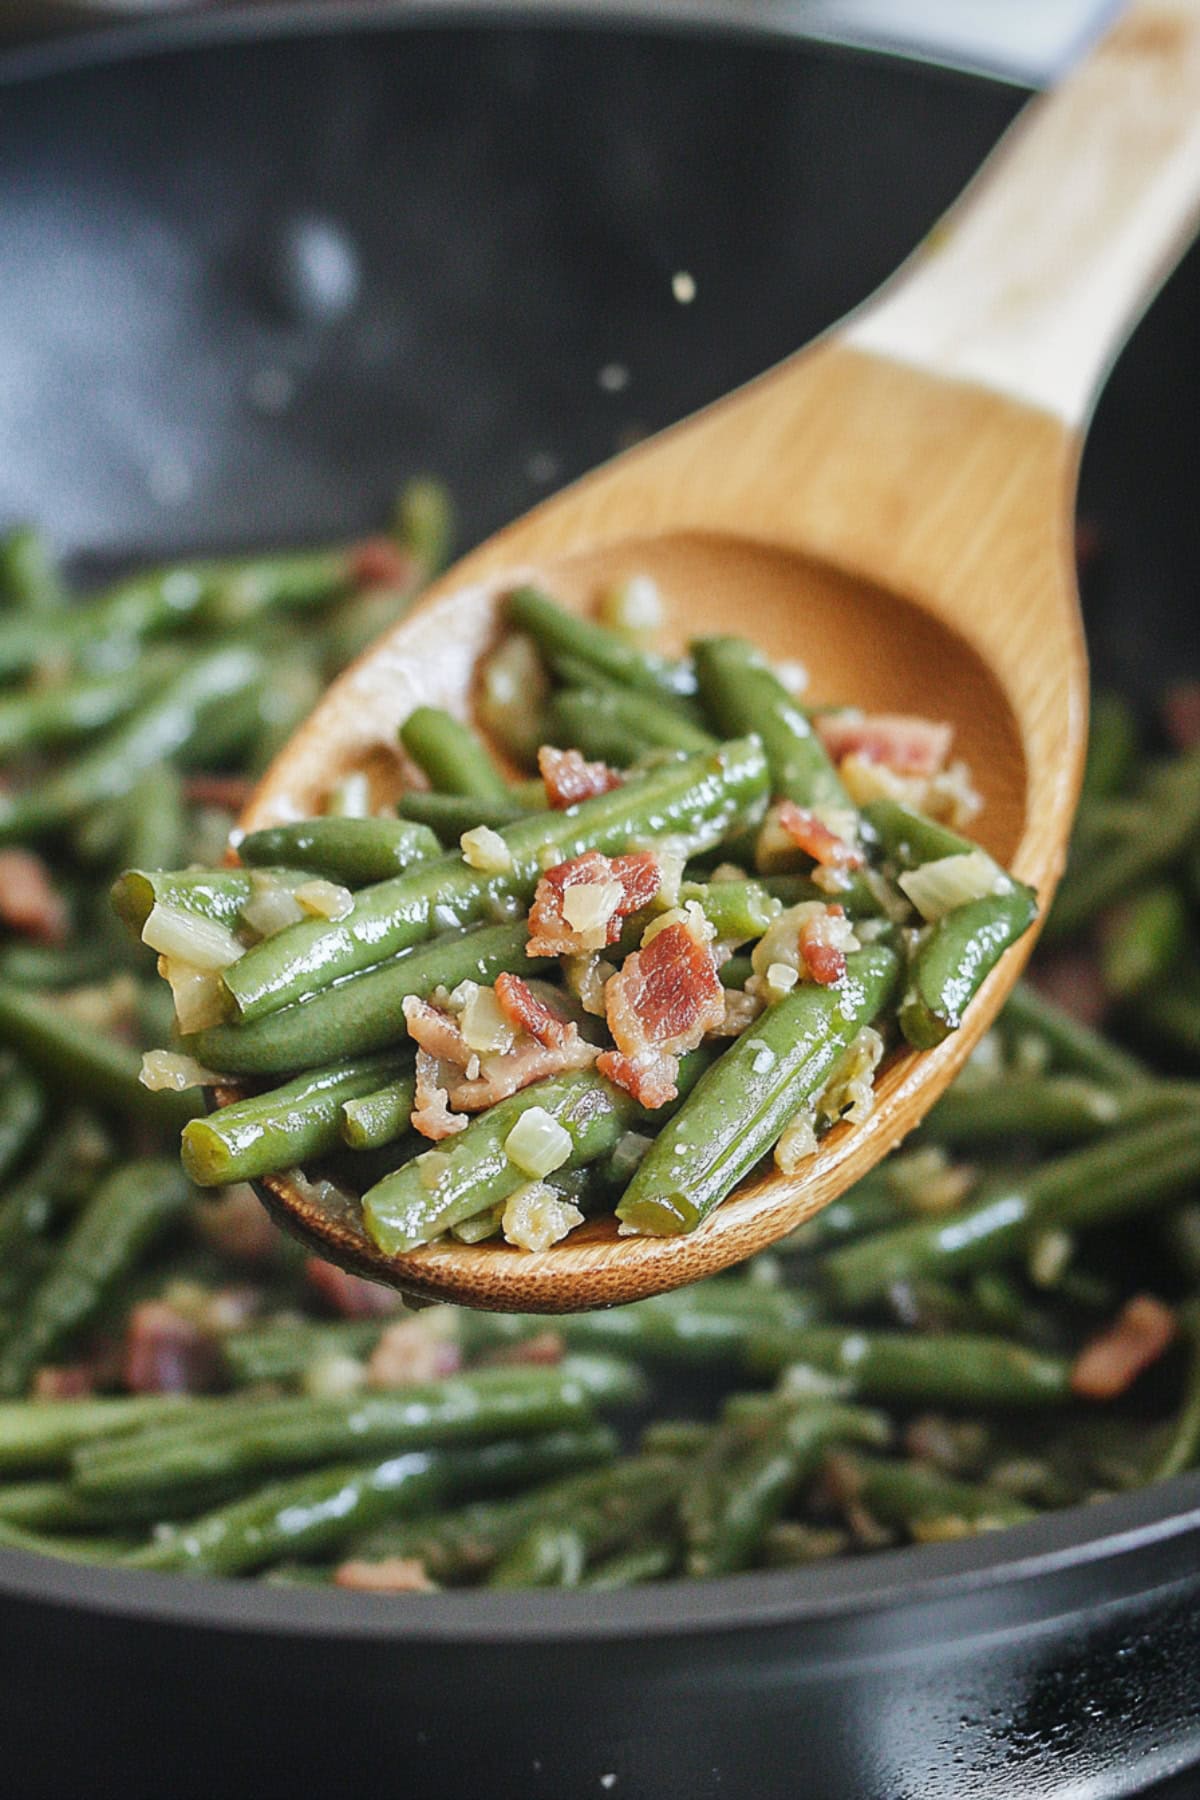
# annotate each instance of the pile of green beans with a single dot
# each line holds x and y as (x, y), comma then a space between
(903, 1368)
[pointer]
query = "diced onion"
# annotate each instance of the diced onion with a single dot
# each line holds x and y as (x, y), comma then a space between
(325, 899)
(691, 916)
(936, 888)
(589, 905)
(483, 1024)
(350, 798)
(204, 943)
(797, 1142)
(485, 850)
(781, 978)
(198, 994)
(535, 1216)
(780, 942)
(585, 977)
(331, 1377)
(537, 1143)
(271, 908)
(172, 1070)
(850, 1091)
(633, 607)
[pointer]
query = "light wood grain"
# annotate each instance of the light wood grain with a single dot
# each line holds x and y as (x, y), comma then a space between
(905, 533)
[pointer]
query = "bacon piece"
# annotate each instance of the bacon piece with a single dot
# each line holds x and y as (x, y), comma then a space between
(824, 958)
(391, 1575)
(900, 741)
(660, 1004)
(413, 1350)
(527, 1061)
(569, 778)
(431, 1114)
(29, 900)
(230, 792)
(1141, 1333)
(435, 1031)
(352, 1296)
(543, 1350)
(640, 878)
(814, 837)
(64, 1381)
(1181, 714)
(166, 1353)
(522, 1008)
(380, 562)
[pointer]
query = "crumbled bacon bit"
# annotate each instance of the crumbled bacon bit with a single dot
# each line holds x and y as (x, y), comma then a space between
(660, 1004)
(64, 1381)
(229, 792)
(380, 562)
(29, 900)
(166, 1353)
(569, 778)
(522, 1008)
(352, 1296)
(639, 876)
(431, 1114)
(1141, 1333)
(392, 1575)
(435, 1031)
(901, 742)
(413, 1350)
(543, 1350)
(1181, 714)
(814, 837)
(824, 960)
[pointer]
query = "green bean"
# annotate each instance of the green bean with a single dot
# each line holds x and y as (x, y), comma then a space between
(55, 1506)
(743, 1103)
(88, 1549)
(182, 711)
(1142, 938)
(471, 1172)
(447, 816)
(380, 1117)
(752, 1491)
(676, 1437)
(40, 1436)
(574, 672)
(218, 894)
(911, 1494)
(129, 1211)
(1093, 883)
(559, 632)
(743, 693)
(156, 827)
(29, 578)
(947, 1369)
(76, 1059)
(909, 838)
(698, 797)
(1117, 1178)
(738, 911)
(618, 726)
(1182, 1449)
(302, 1432)
(651, 1560)
(956, 958)
(1049, 1108)
(556, 1550)
(34, 1203)
(736, 972)
(283, 1127)
(463, 1544)
(64, 711)
(55, 965)
(22, 1112)
(1073, 1045)
(363, 1014)
(316, 1512)
(1112, 747)
(423, 521)
(1170, 1014)
(357, 852)
(450, 756)
(284, 1352)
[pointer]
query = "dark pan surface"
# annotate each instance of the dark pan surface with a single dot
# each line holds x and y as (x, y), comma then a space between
(509, 205)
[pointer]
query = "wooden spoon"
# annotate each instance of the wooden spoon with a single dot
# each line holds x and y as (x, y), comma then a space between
(894, 507)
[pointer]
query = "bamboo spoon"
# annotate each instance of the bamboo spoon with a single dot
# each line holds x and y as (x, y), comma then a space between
(893, 506)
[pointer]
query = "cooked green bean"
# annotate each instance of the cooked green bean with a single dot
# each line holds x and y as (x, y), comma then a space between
(619, 727)
(450, 756)
(22, 1111)
(1112, 747)
(76, 1059)
(743, 693)
(155, 835)
(956, 958)
(362, 1014)
(132, 1208)
(447, 816)
(380, 1117)
(29, 578)
(942, 1369)
(559, 632)
(63, 711)
(743, 1103)
(1143, 937)
(282, 1128)
(910, 1494)
(357, 852)
(218, 894)
(698, 797)
(1073, 1045)
(556, 1549)
(1049, 1108)
(1173, 822)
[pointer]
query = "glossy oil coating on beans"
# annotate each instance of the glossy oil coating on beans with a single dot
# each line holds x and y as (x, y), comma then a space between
(1000, 1319)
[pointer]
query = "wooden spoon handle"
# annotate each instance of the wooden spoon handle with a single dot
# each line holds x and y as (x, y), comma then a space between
(1031, 282)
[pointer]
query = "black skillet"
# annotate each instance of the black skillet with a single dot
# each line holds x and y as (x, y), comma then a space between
(254, 271)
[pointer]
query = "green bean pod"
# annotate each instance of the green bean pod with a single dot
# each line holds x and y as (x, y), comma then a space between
(559, 632)
(938, 1369)
(357, 852)
(76, 1058)
(450, 756)
(955, 959)
(743, 693)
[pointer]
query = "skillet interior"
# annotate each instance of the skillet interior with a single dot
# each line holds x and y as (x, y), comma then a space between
(519, 199)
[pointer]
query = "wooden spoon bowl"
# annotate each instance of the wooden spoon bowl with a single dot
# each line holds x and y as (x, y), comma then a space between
(893, 507)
